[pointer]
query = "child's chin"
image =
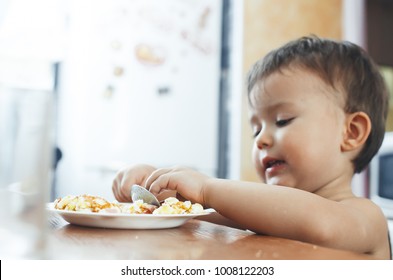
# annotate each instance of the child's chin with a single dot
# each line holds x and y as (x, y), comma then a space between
(278, 182)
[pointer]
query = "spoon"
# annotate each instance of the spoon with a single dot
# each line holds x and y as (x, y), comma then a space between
(140, 193)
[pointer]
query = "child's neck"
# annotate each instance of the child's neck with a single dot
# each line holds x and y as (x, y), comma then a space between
(337, 190)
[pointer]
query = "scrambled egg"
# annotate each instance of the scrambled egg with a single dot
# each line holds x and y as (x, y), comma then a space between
(172, 205)
(89, 203)
(84, 203)
(138, 207)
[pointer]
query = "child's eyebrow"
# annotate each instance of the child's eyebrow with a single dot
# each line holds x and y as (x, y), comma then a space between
(257, 112)
(281, 104)
(275, 106)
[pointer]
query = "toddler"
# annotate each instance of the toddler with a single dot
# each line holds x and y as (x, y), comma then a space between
(317, 110)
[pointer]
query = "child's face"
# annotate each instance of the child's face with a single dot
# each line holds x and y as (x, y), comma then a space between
(298, 122)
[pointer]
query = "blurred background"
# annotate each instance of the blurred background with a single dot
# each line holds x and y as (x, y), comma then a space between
(162, 82)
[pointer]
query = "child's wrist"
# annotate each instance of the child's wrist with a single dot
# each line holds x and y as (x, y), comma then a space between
(208, 192)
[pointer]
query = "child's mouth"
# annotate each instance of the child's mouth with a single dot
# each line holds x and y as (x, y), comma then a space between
(274, 163)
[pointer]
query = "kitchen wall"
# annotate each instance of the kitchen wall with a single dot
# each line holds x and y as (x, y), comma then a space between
(257, 26)
(267, 25)
(139, 83)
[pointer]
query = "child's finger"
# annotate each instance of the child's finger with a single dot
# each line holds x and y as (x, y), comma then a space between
(154, 176)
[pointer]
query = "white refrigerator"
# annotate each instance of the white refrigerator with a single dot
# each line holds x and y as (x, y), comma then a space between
(139, 83)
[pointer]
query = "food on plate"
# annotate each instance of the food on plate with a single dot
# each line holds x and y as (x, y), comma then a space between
(85, 203)
(95, 204)
(172, 205)
(138, 207)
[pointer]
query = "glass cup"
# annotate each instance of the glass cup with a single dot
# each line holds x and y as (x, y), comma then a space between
(26, 145)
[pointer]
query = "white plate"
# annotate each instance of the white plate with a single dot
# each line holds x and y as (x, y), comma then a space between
(125, 221)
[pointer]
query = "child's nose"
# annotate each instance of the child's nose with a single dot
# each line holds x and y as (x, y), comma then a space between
(264, 139)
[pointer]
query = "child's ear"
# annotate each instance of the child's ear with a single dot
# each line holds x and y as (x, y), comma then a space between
(357, 130)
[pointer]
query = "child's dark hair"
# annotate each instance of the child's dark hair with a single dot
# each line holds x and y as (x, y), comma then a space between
(342, 65)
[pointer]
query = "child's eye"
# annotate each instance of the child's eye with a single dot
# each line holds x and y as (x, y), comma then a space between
(256, 132)
(281, 123)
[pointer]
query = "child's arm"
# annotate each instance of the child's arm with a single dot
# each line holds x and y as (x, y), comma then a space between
(280, 211)
(354, 224)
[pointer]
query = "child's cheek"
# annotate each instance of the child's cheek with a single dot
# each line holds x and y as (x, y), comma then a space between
(257, 162)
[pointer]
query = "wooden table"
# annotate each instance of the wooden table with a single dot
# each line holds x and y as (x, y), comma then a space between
(195, 240)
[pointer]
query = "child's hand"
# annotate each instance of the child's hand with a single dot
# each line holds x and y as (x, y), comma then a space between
(127, 177)
(188, 183)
